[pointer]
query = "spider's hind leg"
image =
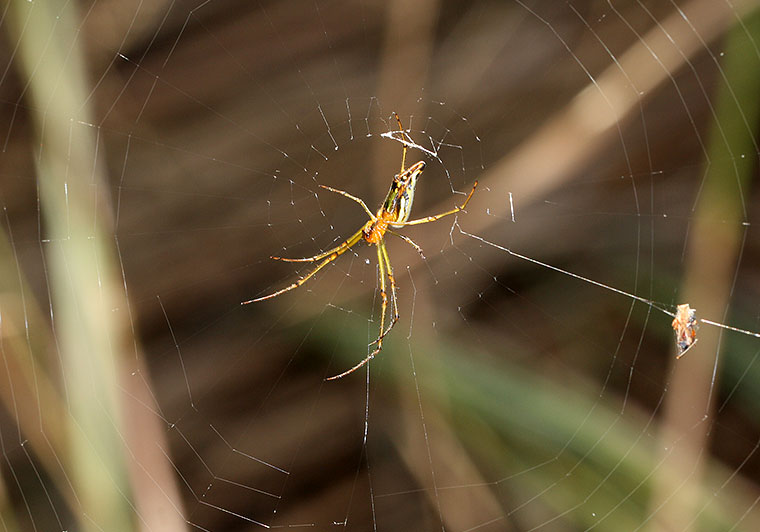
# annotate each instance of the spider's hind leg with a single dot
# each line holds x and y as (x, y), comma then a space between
(403, 134)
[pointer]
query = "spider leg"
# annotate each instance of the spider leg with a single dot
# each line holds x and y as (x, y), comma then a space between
(408, 241)
(383, 310)
(435, 217)
(359, 365)
(394, 300)
(403, 153)
(349, 196)
(340, 248)
(331, 256)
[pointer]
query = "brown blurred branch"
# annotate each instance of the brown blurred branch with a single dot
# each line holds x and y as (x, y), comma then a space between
(716, 240)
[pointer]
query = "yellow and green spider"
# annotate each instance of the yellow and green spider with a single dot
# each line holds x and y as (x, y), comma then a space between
(392, 214)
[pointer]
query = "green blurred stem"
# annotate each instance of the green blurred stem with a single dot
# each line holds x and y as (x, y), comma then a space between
(714, 248)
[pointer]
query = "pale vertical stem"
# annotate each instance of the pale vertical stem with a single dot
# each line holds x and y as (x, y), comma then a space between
(7, 520)
(713, 249)
(83, 281)
(85, 284)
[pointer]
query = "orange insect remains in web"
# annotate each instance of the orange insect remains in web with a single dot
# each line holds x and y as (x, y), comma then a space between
(685, 325)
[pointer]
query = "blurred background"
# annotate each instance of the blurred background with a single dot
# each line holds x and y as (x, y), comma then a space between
(156, 154)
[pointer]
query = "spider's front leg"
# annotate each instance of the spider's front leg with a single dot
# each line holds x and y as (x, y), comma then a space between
(409, 241)
(327, 257)
(351, 197)
(382, 260)
(394, 298)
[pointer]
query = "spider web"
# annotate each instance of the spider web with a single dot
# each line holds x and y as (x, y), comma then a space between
(155, 155)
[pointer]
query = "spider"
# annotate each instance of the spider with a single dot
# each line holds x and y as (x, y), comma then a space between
(392, 214)
(685, 325)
